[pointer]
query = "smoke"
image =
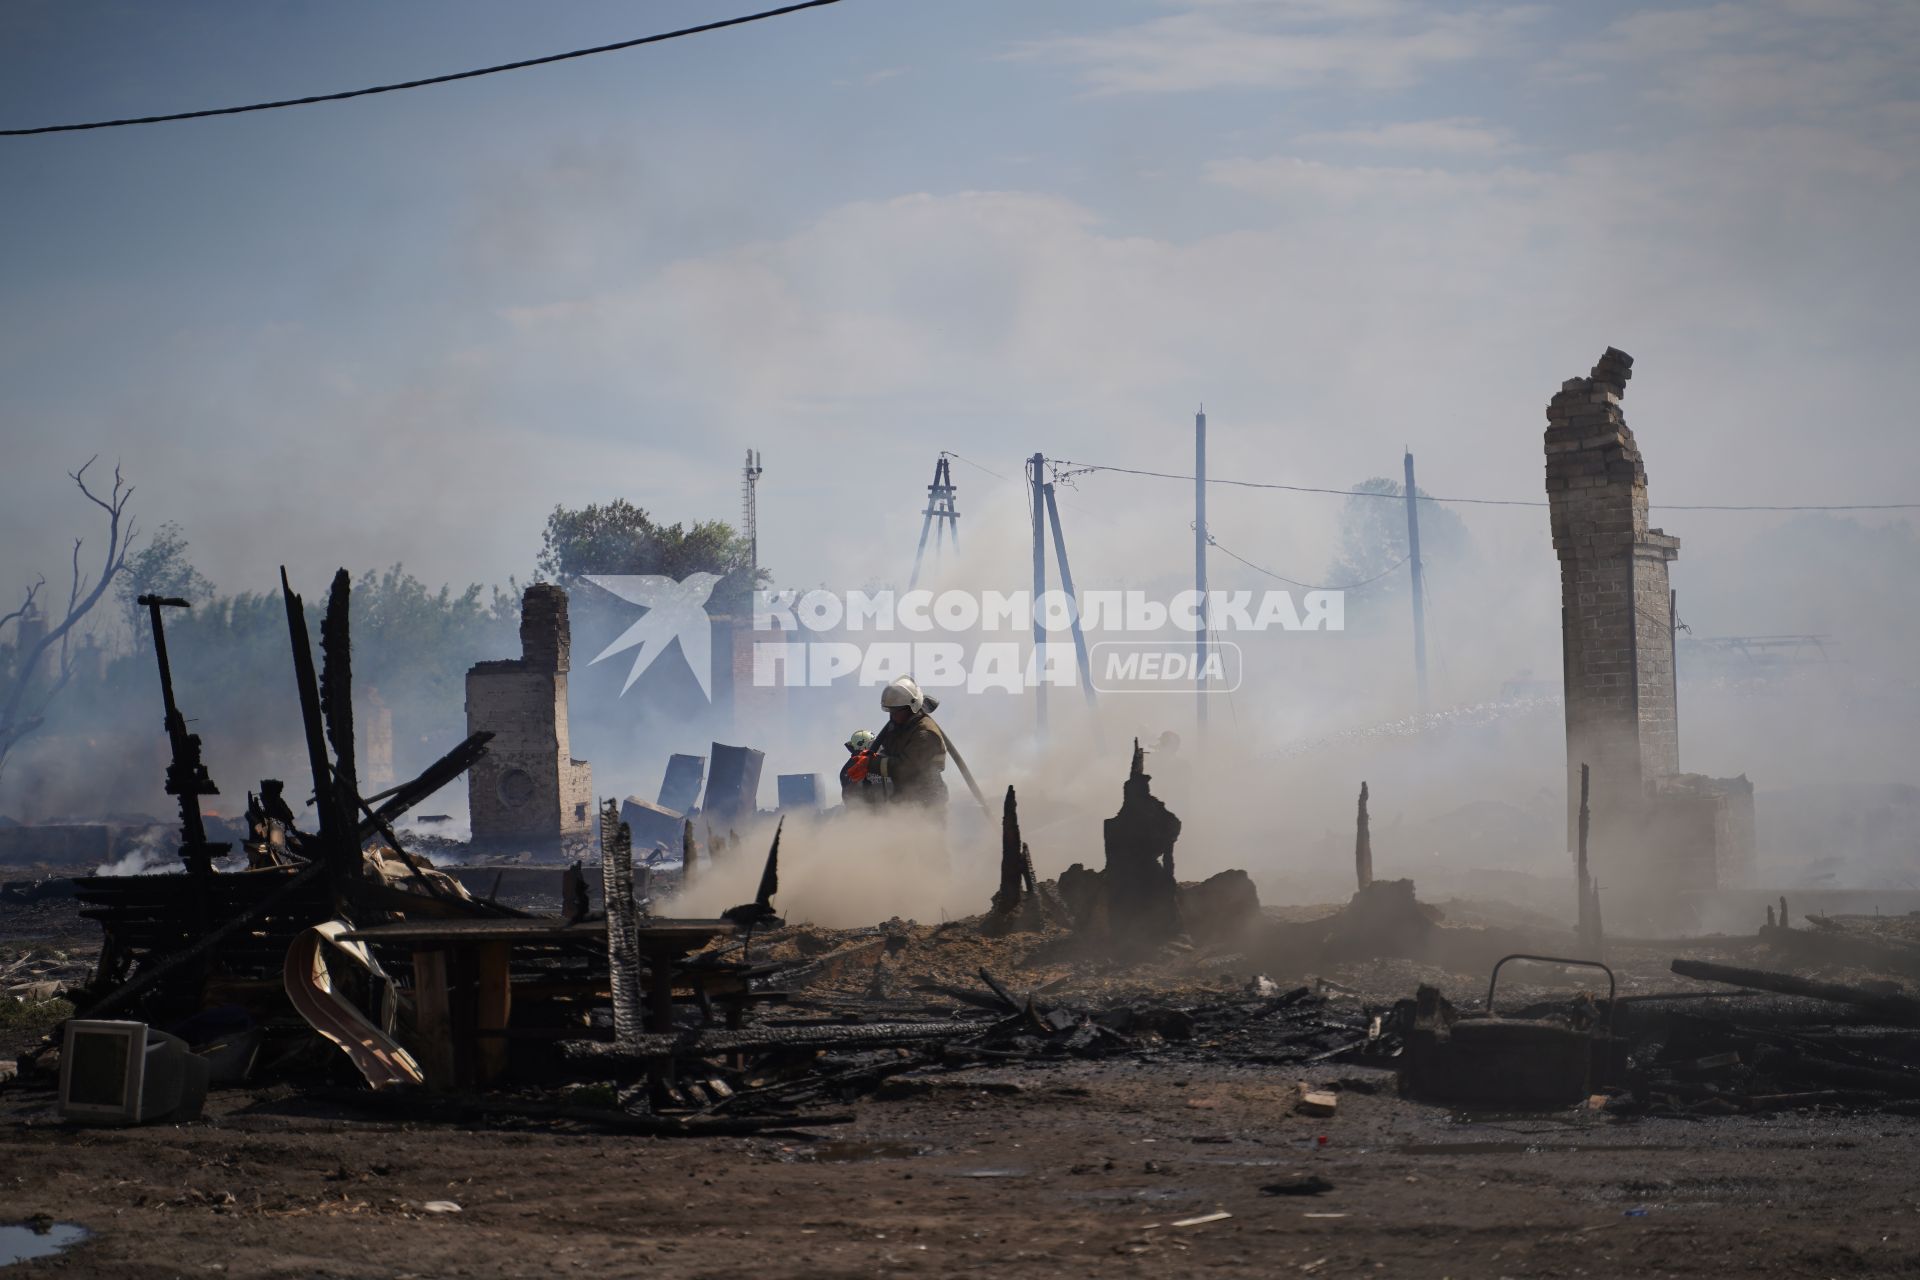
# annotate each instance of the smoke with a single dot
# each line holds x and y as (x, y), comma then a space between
(156, 851)
(853, 867)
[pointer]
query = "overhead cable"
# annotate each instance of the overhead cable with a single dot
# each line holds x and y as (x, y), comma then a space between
(421, 83)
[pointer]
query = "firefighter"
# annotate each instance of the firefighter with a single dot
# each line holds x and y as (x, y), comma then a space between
(913, 751)
(860, 781)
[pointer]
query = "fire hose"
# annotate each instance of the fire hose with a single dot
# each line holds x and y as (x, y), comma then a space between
(958, 759)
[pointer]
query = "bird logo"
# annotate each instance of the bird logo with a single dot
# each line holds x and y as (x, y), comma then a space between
(674, 611)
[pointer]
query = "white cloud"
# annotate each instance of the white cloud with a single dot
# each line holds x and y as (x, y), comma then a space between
(1762, 61)
(1382, 44)
(1461, 136)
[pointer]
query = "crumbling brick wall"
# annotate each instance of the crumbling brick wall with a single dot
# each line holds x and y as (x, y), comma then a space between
(528, 791)
(1616, 609)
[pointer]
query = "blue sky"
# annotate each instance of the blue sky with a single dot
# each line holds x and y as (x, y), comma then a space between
(403, 328)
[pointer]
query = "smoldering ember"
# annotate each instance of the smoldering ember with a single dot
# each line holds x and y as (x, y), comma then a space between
(1229, 856)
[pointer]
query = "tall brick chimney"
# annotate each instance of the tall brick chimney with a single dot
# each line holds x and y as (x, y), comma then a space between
(545, 638)
(1616, 610)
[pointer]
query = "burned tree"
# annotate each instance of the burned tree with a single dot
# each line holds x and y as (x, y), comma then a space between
(1142, 894)
(43, 652)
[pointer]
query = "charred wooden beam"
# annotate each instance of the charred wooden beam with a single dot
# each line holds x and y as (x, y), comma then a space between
(336, 684)
(338, 839)
(1896, 1008)
(437, 775)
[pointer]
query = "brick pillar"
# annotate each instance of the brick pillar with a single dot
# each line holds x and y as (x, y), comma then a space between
(1616, 612)
(528, 791)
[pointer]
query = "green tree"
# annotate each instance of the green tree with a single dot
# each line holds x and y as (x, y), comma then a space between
(1373, 539)
(160, 568)
(618, 537)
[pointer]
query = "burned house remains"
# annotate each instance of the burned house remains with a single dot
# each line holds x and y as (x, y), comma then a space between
(529, 792)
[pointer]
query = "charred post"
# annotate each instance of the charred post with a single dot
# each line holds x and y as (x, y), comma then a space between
(187, 777)
(1589, 892)
(1013, 866)
(623, 948)
(1362, 844)
(1142, 894)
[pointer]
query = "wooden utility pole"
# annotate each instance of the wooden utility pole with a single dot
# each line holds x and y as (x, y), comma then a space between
(1073, 601)
(1200, 564)
(1673, 662)
(1419, 589)
(1036, 470)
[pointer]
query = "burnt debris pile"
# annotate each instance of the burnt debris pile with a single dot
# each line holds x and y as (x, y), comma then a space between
(1780, 1042)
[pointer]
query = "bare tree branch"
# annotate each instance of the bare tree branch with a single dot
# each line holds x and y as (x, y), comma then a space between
(16, 722)
(25, 605)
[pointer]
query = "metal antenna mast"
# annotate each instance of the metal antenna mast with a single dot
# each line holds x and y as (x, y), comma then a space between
(750, 512)
(941, 516)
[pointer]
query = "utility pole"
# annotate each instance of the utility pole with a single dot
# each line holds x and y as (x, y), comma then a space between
(1673, 662)
(941, 516)
(1036, 466)
(1419, 590)
(1200, 564)
(1073, 601)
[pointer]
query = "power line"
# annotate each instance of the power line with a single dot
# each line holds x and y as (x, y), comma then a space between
(1301, 488)
(420, 84)
(1496, 502)
(970, 462)
(1304, 586)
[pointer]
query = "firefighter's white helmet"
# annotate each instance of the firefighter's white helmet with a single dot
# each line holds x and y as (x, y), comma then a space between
(860, 740)
(903, 693)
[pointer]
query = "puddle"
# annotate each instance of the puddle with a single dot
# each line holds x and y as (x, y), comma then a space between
(854, 1152)
(42, 1239)
(991, 1173)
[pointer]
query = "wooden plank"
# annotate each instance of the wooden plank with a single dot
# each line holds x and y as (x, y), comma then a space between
(493, 999)
(685, 935)
(478, 931)
(432, 1018)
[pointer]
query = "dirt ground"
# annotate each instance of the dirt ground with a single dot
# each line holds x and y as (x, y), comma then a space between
(1068, 1170)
